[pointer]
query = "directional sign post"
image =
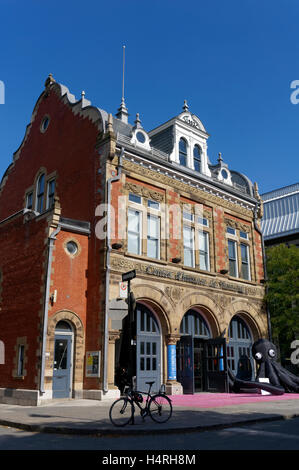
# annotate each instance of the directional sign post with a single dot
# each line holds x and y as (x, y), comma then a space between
(128, 277)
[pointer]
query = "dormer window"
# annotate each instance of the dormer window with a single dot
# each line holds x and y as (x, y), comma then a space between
(183, 152)
(197, 157)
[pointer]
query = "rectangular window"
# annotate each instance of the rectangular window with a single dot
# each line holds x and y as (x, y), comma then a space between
(153, 236)
(134, 232)
(203, 221)
(21, 351)
(40, 194)
(153, 205)
(244, 235)
(231, 231)
(204, 262)
(188, 216)
(29, 201)
(135, 198)
(51, 193)
(188, 235)
(245, 270)
(232, 257)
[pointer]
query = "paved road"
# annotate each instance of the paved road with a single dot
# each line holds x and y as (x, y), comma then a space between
(277, 435)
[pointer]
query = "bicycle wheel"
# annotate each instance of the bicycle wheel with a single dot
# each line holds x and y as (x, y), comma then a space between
(160, 408)
(121, 412)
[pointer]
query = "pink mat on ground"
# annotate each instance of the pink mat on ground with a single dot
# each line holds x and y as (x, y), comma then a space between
(213, 400)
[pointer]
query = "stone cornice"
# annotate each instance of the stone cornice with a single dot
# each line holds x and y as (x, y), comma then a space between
(171, 178)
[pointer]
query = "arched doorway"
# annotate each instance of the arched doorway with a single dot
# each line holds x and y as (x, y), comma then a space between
(62, 366)
(194, 332)
(145, 350)
(148, 349)
(239, 358)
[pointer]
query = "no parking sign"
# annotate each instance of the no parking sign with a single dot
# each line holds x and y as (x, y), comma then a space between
(123, 290)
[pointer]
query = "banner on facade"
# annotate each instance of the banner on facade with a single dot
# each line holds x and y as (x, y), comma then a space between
(171, 361)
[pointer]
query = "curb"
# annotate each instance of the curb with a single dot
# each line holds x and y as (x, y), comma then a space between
(117, 432)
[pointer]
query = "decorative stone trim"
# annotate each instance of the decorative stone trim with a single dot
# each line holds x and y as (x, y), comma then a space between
(144, 192)
(237, 225)
(212, 196)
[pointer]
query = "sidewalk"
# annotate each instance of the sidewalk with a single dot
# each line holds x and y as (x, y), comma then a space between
(199, 412)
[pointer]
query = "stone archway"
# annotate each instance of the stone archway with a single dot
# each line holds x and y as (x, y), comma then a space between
(79, 349)
(256, 322)
(206, 307)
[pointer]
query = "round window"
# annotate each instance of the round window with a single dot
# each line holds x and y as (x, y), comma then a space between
(45, 124)
(224, 174)
(72, 248)
(140, 137)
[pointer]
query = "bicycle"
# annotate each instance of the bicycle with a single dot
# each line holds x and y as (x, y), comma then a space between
(157, 406)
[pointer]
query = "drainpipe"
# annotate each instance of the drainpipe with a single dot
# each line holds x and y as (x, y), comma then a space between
(106, 333)
(51, 240)
(265, 267)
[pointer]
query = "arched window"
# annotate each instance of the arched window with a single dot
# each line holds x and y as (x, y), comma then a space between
(40, 193)
(197, 157)
(183, 152)
(194, 324)
(239, 357)
(63, 326)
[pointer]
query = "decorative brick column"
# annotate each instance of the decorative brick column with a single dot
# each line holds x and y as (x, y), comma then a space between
(172, 386)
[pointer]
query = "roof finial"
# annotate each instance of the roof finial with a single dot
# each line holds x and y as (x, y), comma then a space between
(137, 121)
(49, 80)
(220, 159)
(185, 107)
(122, 113)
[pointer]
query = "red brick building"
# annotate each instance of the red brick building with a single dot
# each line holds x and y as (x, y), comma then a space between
(190, 229)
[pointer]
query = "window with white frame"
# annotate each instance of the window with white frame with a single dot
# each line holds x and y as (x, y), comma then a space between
(204, 258)
(135, 198)
(203, 221)
(188, 238)
(134, 231)
(153, 236)
(196, 238)
(245, 265)
(144, 217)
(197, 157)
(232, 258)
(183, 151)
(238, 253)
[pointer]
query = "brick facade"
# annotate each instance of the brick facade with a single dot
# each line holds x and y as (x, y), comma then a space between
(43, 284)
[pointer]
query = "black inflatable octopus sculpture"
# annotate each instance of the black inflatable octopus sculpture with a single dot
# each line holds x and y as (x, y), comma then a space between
(280, 379)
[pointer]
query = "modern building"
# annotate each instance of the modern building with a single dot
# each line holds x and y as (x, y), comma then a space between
(280, 222)
(89, 197)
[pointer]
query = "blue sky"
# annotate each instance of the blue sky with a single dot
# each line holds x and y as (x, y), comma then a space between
(233, 61)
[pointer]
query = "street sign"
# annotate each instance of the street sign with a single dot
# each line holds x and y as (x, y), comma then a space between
(123, 290)
(129, 275)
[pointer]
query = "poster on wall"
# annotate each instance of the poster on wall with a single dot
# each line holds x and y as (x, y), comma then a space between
(92, 364)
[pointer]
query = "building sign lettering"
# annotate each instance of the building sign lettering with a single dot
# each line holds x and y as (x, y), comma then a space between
(190, 122)
(185, 277)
